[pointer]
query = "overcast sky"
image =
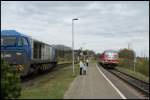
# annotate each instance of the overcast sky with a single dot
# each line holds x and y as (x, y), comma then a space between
(102, 24)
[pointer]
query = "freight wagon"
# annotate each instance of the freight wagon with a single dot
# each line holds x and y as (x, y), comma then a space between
(26, 53)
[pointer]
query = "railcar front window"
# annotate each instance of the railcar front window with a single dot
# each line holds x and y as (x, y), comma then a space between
(8, 41)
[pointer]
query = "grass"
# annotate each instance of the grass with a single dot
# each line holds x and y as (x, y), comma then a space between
(134, 74)
(141, 67)
(50, 86)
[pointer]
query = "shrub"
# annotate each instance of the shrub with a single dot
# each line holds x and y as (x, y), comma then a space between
(10, 81)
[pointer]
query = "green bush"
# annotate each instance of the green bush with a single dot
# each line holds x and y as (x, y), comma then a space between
(10, 81)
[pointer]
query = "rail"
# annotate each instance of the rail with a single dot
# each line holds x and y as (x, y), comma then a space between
(37, 74)
(138, 84)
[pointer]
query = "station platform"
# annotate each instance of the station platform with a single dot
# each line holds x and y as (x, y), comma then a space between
(93, 85)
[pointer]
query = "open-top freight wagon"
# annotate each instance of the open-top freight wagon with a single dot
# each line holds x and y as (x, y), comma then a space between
(26, 53)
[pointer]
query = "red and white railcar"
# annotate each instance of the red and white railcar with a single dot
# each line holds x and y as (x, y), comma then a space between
(109, 58)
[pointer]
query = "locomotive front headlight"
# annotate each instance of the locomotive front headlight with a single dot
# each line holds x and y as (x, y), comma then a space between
(6, 55)
(2, 55)
(18, 53)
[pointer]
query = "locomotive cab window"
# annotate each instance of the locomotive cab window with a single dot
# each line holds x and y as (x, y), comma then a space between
(8, 40)
(22, 41)
(25, 42)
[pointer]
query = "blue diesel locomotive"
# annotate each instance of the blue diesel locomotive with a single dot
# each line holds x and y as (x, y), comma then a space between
(26, 53)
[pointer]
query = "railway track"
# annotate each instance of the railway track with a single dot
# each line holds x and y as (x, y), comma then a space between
(136, 83)
(37, 74)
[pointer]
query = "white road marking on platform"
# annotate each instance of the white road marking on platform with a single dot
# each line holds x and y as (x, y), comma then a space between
(123, 97)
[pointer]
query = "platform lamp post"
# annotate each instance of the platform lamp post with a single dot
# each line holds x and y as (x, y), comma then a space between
(73, 44)
(134, 61)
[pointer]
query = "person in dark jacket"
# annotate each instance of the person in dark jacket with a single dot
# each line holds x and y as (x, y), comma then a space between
(87, 62)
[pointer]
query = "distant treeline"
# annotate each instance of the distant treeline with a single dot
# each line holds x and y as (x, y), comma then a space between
(66, 54)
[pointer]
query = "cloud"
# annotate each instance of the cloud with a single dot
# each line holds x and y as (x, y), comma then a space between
(101, 25)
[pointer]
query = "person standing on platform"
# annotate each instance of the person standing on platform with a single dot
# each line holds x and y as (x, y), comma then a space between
(87, 62)
(81, 67)
(84, 69)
